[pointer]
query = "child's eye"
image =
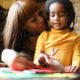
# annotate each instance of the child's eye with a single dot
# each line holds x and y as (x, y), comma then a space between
(52, 15)
(61, 14)
(34, 19)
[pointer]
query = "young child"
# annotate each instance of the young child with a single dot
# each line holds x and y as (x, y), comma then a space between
(60, 14)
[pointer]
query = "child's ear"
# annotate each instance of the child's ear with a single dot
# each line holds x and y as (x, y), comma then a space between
(68, 18)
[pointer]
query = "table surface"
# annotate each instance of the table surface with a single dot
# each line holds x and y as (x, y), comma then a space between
(41, 79)
(9, 74)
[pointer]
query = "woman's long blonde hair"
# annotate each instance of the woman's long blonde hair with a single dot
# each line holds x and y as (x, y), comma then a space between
(19, 12)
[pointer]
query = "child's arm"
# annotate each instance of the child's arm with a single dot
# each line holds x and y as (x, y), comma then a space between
(76, 53)
(74, 67)
(43, 57)
(50, 61)
(40, 45)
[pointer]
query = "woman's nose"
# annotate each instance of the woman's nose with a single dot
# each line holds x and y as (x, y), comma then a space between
(41, 19)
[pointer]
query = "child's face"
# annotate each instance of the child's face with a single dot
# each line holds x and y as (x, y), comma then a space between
(36, 23)
(58, 17)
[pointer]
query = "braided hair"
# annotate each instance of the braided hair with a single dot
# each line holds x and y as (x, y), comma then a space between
(69, 9)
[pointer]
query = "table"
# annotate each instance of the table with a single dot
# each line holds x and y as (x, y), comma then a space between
(9, 74)
(41, 79)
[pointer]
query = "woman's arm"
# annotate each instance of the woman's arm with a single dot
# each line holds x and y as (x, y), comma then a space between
(8, 56)
(17, 61)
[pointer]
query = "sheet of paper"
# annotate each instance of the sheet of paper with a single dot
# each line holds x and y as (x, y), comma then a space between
(9, 73)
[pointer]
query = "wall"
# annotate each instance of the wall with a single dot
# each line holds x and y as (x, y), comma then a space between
(76, 4)
(6, 3)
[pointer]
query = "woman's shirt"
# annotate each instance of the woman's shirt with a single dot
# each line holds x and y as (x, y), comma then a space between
(67, 42)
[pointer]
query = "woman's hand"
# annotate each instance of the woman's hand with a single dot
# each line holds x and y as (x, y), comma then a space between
(71, 69)
(22, 62)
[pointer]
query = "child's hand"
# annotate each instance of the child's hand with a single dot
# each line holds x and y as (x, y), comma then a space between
(50, 61)
(71, 69)
(44, 57)
(21, 62)
(51, 56)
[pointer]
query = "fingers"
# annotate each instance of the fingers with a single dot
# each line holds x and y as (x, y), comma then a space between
(54, 52)
(54, 58)
(74, 69)
(47, 56)
(47, 61)
(71, 68)
(43, 59)
(42, 51)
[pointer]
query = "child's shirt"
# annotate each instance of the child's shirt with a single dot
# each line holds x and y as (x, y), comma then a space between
(67, 42)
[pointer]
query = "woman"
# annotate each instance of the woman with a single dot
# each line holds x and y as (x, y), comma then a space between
(23, 25)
